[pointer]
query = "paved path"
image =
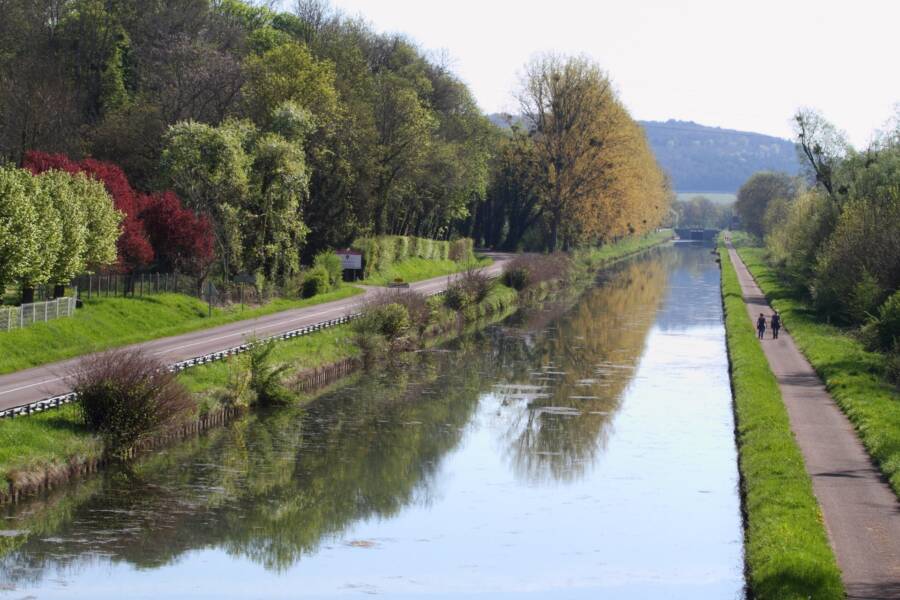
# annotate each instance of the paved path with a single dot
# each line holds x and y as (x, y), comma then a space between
(861, 512)
(30, 385)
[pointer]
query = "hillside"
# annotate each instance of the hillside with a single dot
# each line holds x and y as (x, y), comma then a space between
(699, 158)
(710, 159)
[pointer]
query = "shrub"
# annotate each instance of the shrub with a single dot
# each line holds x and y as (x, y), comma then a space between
(462, 250)
(126, 395)
(528, 270)
(883, 330)
(331, 262)
(265, 378)
(401, 248)
(443, 250)
(470, 288)
(316, 282)
(384, 315)
(516, 277)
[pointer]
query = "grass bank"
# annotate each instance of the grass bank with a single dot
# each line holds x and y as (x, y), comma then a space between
(596, 258)
(786, 547)
(110, 322)
(854, 376)
(417, 269)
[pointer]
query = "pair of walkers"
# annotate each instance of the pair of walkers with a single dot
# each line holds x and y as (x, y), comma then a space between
(774, 323)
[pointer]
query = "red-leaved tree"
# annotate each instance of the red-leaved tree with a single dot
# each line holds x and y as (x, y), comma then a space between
(183, 239)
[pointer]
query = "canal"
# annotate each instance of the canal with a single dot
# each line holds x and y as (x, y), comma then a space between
(582, 450)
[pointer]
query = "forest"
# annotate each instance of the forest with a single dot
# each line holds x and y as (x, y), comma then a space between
(256, 139)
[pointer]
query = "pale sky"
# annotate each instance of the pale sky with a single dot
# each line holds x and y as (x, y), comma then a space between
(742, 65)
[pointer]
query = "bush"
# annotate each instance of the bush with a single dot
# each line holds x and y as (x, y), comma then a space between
(462, 250)
(331, 263)
(265, 378)
(125, 395)
(529, 270)
(470, 288)
(883, 330)
(401, 248)
(316, 282)
(384, 315)
(516, 277)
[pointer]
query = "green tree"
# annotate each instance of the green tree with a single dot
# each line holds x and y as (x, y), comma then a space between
(70, 258)
(755, 195)
(19, 231)
(102, 220)
(279, 183)
(210, 168)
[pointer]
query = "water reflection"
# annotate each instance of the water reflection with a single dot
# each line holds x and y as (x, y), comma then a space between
(535, 456)
(560, 389)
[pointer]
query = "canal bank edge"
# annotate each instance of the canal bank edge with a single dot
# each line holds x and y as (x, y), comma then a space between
(87, 455)
(786, 548)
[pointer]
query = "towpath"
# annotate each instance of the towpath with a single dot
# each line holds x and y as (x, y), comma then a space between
(30, 385)
(861, 512)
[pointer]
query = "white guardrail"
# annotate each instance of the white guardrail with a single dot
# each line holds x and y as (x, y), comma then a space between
(62, 399)
(57, 401)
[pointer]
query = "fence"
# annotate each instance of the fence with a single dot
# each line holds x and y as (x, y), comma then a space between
(16, 317)
(143, 284)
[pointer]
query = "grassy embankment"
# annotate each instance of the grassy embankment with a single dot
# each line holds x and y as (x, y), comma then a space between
(854, 376)
(595, 258)
(110, 322)
(44, 440)
(417, 269)
(786, 547)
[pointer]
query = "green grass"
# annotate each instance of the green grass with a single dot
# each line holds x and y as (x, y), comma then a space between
(853, 376)
(417, 269)
(47, 438)
(596, 257)
(109, 322)
(786, 547)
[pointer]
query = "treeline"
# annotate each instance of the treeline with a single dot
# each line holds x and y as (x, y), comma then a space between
(701, 212)
(295, 132)
(837, 234)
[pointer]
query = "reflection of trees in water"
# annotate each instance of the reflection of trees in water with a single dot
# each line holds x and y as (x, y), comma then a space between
(582, 365)
(692, 268)
(271, 487)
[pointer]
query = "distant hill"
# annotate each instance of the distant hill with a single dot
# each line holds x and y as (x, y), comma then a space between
(710, 159)
(699, 158)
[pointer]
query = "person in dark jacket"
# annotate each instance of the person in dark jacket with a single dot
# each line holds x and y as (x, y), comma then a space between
(761, 326)
(776, 325)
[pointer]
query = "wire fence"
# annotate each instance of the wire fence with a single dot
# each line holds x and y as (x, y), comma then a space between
(217, 293)
(16, 317)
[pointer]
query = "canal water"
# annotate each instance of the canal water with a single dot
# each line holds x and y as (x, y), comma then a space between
(584, 450)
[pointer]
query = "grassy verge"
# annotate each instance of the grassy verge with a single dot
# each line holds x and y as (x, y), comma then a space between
(786, 548)
(595, 258)
(853, 376)
(417, 269)
(109, 322)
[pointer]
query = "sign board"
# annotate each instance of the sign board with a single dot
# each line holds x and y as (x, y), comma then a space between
(245, 278)
(350, 259)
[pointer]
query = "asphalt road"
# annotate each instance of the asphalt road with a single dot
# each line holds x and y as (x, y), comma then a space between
(861, 512)
(30, 385)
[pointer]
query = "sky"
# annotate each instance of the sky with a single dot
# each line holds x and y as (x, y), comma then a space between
(745, 65)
